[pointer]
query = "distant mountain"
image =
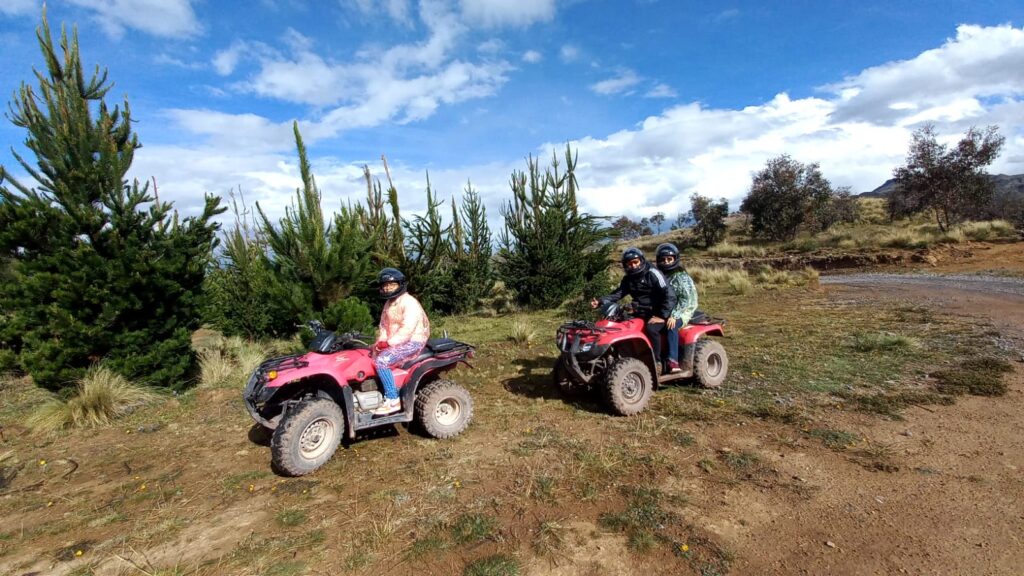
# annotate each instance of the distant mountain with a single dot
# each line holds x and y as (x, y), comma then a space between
(1010, 185)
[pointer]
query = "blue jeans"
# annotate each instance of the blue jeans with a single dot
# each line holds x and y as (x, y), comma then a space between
(387, 358)
(654, 332)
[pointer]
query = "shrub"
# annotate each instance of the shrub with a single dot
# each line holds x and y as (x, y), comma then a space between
(992, 230)
(740, 283)
(884, 341)
(101, 396)
(348, 315)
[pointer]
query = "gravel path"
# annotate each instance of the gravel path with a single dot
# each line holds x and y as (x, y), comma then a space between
(972, 282)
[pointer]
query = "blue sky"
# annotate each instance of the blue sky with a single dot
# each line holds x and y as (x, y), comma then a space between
(661, 98)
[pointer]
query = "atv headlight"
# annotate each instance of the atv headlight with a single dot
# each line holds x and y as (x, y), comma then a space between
(586, 347)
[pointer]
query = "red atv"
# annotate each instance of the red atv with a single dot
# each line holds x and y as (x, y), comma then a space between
(614, 356)
(308, 399)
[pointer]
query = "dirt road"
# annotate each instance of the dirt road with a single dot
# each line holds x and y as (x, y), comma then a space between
(954, 506)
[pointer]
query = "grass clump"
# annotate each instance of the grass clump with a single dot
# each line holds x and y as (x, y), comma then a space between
(290, 517)
(521, 332)
(986, 231)
(472, 528)
(835, 439)
(643, 519)
(740, 284)
(977, 377)
(891, 404)
(494, 565)
(550, 537)
(884, 342)
(99, 398)
(730, 250)
(741, 461)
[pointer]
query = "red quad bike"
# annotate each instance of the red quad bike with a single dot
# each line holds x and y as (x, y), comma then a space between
(613, 355)
(310, 399)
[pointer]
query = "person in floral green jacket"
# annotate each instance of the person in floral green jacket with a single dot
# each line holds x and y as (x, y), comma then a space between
(686, 302)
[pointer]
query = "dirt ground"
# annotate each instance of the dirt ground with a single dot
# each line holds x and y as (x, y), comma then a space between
(191, 493)
(953, 507)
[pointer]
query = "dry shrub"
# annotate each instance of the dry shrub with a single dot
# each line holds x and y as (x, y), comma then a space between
(100, 397)
(985, 231)
(521, 332)
(730, 250)
(740, 283)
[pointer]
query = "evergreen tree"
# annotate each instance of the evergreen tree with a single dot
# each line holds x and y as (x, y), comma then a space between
(549, 251)
(329, 258)
(245, 297)
(101, 269)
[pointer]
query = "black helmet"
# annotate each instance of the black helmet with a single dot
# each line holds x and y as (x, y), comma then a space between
(634, 254)
(390, 275)
(664, 250)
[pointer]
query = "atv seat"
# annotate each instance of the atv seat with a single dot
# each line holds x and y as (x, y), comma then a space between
(433, 346)
(699, 318)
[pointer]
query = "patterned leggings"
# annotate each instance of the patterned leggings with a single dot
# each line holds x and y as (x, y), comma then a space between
(389, 357)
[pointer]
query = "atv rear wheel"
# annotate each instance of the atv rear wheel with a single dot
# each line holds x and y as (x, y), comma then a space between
(307, 436)
(710, 364)
(628, 386)
(443, 409)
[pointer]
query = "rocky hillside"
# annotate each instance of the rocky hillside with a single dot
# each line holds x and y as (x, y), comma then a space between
(1005, 184)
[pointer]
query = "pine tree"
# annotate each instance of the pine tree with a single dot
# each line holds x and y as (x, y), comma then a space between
(330, 258)
(102, 270)
(549, 251)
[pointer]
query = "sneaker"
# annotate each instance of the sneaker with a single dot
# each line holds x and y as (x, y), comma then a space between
(388, 407)
(673, 367)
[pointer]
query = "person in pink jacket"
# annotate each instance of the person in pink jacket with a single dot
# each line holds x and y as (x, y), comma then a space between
(404, 330)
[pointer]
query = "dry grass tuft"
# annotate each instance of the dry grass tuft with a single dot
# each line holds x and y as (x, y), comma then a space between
(521, 332)
(730, 250)
(101, 397)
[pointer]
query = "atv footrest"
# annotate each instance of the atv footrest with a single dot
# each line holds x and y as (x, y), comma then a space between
(673, 377)
(369, 420)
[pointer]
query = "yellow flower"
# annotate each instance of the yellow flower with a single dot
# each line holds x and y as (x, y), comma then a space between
(42, 462)
(458, 484)
(142, 487)
(78, 552)
(50, 503)
(684, 548)
(251, 487)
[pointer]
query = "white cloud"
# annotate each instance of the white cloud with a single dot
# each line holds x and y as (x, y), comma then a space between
(165, 18)
(622, 82)
(569, 53)
(661, 91)
(168, 60)
(496, 13)
(19, 7)
(532, 56)
(978, 63)
(401, 83)
(491, 47)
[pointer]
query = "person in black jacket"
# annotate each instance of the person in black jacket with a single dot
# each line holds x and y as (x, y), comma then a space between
(653, 297)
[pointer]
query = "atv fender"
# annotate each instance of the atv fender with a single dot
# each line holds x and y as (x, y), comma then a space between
(639, 348)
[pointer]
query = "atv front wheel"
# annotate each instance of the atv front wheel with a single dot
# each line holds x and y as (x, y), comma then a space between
(628, 387)
(307, 436)
(443, 409)
(710, 364)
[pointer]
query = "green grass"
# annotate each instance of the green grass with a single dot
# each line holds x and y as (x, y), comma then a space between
(977, 376)
(835, 439)
(290, 517)
(644, 518)
(884, 341)
(495, 565)
(472, 528)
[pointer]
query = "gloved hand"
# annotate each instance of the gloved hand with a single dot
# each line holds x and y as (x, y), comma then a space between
(381, 345)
